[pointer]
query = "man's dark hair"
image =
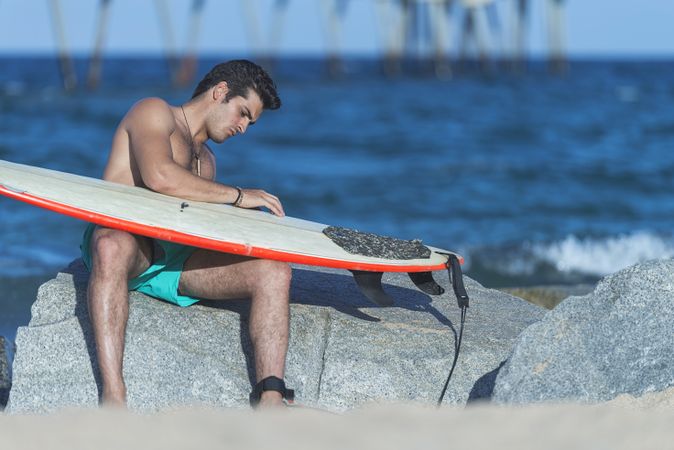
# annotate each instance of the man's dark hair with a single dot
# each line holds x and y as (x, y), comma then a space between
(241, 75)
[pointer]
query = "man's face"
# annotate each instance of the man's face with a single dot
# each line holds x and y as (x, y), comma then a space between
(232, 117)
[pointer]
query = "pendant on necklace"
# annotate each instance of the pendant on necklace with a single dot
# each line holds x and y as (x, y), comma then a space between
(198, 163)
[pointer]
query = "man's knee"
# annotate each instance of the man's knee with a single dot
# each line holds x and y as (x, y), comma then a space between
(274, 273)
(112, 248)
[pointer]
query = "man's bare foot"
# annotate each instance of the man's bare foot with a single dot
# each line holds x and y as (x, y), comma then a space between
(271, 399)
(114, 399)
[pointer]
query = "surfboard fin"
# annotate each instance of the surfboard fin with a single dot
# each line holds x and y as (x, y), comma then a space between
(370, 285)
(425, 282)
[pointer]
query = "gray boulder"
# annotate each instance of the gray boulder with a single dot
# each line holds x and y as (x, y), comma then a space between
(616, 340)
(344, 351)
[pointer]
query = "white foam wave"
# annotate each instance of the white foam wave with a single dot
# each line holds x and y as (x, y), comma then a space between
(604, 256)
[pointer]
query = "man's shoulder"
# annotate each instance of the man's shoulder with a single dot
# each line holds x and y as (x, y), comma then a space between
(150, 111)
(151, 105)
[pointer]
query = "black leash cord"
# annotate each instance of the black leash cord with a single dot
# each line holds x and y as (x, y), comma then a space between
(456, 279)
(456, 356)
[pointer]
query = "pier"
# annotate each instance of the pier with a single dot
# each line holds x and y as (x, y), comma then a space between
(438, 35)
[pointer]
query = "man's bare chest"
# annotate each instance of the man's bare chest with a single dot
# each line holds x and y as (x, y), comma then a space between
(198, 162)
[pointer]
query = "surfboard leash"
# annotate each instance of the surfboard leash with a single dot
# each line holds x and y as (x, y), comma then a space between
(456, 279)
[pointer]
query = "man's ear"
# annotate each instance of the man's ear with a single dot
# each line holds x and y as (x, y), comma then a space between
(220, 91)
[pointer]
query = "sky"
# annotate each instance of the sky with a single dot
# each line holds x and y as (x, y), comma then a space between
(640, 28)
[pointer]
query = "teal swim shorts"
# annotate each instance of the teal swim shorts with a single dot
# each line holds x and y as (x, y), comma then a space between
(161, 279)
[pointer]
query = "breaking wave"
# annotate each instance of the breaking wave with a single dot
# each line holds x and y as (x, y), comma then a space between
(606, 255)
(572, 260)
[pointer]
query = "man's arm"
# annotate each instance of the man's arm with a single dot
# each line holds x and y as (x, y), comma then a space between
(150, 124)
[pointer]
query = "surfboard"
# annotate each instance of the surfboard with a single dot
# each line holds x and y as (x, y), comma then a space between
(217, 227)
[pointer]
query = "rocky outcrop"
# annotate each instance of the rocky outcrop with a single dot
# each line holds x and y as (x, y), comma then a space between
(616, 340)
(344, 351)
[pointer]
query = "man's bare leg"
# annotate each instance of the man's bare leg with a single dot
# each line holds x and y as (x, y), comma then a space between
(116, 257)
(219, 276)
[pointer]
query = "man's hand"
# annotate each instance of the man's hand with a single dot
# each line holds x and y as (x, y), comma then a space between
(253, 198)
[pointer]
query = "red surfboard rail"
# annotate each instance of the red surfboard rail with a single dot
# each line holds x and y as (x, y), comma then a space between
(208, 243)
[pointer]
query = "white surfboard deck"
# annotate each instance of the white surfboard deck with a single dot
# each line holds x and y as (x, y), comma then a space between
(213, 226)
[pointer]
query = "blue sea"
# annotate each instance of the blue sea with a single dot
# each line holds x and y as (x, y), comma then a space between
(536, 178)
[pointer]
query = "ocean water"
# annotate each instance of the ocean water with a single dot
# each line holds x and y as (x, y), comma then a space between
(536, 179)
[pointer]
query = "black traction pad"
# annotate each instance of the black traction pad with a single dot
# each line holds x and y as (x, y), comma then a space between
(375, 246)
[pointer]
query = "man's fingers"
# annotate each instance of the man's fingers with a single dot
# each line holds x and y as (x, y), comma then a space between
(275, 206)
(278, 207)
(273, 198)
(258, 197)
(273, 203)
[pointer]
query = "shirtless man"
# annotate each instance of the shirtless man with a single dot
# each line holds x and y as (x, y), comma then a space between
(163, 148)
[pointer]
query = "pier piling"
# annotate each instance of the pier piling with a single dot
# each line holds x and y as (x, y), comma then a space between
(168, 36)
(188, 65)
(96, 60)
(68, 74)
(556, 39)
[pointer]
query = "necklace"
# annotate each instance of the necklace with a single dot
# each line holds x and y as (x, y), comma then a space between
(195, 155)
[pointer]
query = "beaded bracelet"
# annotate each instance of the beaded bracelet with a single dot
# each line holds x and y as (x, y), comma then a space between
(239, 198)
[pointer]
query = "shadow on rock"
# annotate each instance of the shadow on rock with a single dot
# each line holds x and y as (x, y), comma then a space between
(483, 388)
(81, 280)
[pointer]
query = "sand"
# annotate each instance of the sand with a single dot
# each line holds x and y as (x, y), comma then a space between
(624, 423)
